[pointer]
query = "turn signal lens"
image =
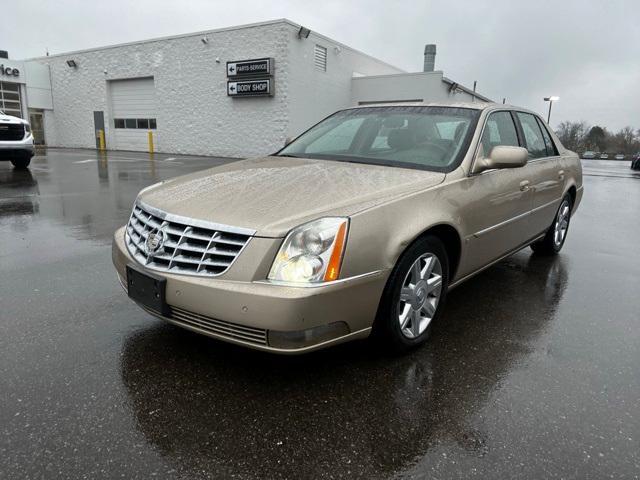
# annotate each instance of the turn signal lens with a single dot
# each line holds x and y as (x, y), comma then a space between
(335, 261)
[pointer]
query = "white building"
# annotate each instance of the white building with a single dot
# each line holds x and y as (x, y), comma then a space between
(178, 88)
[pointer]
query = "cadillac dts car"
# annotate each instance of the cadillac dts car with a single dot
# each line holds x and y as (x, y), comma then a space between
(358, 227)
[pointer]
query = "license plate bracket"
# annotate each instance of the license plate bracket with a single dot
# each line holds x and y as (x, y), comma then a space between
(147, 289)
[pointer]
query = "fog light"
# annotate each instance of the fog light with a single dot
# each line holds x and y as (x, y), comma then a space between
(305, 338)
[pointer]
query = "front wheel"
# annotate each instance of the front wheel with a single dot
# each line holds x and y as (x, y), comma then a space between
(414, 296)
(556, 235)
(21, 163)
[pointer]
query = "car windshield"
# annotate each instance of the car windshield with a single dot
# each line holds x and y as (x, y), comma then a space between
(429, 138)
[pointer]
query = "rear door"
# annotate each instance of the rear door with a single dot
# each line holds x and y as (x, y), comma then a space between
(546, 174)
(498, 215)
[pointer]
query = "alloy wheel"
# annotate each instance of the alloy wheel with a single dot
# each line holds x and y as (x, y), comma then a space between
(562, 223)
(419, 295)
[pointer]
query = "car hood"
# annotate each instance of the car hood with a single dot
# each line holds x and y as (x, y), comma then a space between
(9, 119)
(271, 195)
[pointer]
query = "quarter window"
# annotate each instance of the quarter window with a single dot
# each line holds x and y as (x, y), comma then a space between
(532, 136)
(499, 130)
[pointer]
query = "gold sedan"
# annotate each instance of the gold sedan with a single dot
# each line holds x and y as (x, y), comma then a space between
(360, 225)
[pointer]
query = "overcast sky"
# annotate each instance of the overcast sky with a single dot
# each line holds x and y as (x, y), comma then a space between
(586, 52)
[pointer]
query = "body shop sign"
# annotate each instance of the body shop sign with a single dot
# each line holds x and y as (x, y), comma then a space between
(250, 88)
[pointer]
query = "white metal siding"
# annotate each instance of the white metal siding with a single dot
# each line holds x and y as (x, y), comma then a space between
(134, 98)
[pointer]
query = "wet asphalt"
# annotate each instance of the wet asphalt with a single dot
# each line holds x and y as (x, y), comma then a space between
(533, 371)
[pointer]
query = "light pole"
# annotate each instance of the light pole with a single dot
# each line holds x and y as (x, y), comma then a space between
(550, 100)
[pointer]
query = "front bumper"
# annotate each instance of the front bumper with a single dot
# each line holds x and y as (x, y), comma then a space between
(13, 148)
(293, 319)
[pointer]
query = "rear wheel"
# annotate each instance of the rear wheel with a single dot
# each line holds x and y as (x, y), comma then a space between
(414, 296)
(556, 235)
(21, 162)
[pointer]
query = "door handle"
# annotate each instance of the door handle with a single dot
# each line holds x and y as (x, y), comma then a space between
(561, 175)
(524, 185)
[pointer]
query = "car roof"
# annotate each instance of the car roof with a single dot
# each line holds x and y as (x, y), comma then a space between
(471, 105)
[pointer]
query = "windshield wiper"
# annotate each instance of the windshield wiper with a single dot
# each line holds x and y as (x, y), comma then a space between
(287, 155)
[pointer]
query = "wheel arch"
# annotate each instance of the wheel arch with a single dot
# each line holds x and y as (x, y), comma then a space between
(451, 240)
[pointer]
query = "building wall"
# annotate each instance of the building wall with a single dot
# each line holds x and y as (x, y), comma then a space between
(314, 94)
(194, 116)
(50, 128)
(421, 86)
(38, 85)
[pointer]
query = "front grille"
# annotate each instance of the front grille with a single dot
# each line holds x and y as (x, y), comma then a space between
(11, 131)
(219, 327)
(182, 245)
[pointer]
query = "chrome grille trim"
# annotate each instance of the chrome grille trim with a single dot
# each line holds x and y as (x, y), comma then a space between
(219, 327)
(189, 247)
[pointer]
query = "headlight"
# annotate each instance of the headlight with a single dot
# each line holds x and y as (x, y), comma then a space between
(311, 253)
(27, 127)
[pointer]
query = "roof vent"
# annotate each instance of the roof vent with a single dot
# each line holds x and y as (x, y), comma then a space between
(429, 57)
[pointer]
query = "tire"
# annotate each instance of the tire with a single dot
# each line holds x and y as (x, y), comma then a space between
(21, 163)
(556, 235)
(424, 303)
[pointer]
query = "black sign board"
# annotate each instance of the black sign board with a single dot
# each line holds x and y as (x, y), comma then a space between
(244, 68)
(249, 88)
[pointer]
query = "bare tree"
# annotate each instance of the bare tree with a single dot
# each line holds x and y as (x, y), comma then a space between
(573, 135)
(625, 141)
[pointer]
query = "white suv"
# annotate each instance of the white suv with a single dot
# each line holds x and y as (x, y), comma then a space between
(16, 140)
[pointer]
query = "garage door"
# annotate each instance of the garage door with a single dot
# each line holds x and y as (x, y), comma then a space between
(133, 110)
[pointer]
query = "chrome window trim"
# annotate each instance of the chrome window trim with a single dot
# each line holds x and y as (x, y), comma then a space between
(194, 222)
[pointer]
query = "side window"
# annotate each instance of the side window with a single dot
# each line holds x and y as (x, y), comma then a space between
(499, 130)
(532, 136)
(552, 151)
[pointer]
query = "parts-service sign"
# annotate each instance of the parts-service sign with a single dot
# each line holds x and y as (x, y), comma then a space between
(249, 88)
(242, 68)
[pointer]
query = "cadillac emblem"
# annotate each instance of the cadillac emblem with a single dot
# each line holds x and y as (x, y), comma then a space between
(155, 242)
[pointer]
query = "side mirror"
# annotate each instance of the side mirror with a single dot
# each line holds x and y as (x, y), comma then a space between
(502, 156)
(287, 141)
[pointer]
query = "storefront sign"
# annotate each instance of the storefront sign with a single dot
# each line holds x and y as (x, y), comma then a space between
(242, 68)
(250, 88)
(9, 71)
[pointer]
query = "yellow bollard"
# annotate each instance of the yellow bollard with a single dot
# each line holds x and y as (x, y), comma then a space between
(101, 140)
(150, 141)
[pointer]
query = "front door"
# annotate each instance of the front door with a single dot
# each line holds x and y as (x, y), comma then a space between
(497, 217)
(37, 127)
